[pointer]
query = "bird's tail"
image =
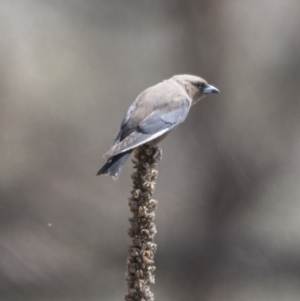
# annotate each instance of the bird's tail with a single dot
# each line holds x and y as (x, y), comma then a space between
(114, 165)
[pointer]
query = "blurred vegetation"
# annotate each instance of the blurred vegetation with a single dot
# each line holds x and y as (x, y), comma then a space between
(228, 188)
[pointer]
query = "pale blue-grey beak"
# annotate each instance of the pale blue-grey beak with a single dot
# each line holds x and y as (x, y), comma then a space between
(210, 89)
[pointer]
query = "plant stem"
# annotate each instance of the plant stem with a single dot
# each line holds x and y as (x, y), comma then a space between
(140, 262)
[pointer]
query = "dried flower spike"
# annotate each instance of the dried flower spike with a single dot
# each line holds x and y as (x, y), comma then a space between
(140, 263)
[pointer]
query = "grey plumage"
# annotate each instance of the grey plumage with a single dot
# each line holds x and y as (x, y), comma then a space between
(154, 114)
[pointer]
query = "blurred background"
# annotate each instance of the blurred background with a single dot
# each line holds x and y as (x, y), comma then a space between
(228, 189)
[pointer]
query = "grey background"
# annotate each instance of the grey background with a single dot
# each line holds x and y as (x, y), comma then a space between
(228, 189)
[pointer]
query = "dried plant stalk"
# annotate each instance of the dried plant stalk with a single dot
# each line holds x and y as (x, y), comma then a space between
(140, 262)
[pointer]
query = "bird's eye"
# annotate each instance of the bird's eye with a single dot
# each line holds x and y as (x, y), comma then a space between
(201, 86)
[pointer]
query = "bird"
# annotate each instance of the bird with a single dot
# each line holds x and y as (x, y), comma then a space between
(156, 112)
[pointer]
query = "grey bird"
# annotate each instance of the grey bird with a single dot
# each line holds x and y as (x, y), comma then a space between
(153, 115)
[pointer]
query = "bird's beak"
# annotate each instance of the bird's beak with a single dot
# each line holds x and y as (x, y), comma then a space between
(210, 89)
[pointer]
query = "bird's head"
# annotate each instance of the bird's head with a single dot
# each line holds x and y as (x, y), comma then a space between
(196, 87)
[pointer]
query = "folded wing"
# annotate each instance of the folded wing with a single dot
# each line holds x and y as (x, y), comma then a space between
(161, 117)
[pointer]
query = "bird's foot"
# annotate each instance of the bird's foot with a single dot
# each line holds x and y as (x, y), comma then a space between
(158, 153)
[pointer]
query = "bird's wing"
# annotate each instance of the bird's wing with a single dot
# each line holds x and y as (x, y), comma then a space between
(165, 115)
(126, 130)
